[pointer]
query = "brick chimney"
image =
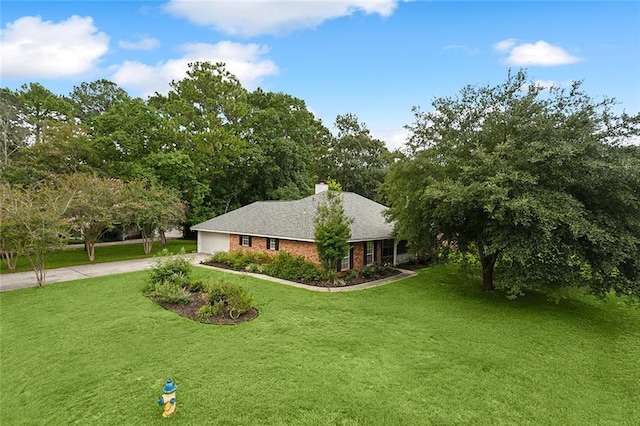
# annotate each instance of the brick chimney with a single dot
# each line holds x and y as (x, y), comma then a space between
(321, 187)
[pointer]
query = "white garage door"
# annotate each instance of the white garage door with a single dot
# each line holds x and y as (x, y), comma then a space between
(212, 242)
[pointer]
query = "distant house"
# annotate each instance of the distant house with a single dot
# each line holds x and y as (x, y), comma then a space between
(273, 226)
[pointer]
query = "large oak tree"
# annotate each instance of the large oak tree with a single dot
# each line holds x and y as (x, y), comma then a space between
(533, 181)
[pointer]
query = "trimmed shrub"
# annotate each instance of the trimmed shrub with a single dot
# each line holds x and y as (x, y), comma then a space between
(351, 275)
(254, 267)
(195, 286)
(240, 259)
(294, 268)
(169, 292)
(206, 312)
(228, 300)
(368, 271)
(171, 268)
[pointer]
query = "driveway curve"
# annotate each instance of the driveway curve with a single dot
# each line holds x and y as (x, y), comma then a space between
(28, 279)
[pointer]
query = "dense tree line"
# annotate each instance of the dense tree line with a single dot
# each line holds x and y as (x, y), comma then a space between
(209, 139)
(206, 147)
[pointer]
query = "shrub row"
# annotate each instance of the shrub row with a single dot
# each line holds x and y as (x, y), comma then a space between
(283, 265)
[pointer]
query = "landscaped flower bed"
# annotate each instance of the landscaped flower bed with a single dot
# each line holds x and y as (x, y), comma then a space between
(295, 268)
(217, 302)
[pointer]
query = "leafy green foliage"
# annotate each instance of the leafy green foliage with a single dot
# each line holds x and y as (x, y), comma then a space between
(151, 208)
(282, 265)
(354, 158)
(375, 270)
(332, 230)
(228, 299)
(94, 210)
(295, 268)
(240, 259)
(530, 180)
(168, 292)
(38, 227)
(171, 268)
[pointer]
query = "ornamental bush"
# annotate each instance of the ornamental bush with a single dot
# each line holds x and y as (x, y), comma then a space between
(240, 259)
(294, 268)
(171, 268)
(226, 299)
(169, 292)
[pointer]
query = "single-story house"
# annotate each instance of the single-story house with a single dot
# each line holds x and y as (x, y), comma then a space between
(272, 226)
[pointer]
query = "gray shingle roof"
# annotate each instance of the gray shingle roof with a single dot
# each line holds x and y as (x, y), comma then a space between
(293, 220)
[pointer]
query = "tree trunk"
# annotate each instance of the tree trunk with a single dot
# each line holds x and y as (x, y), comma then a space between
(90, 246)
(163, 238)
(41, 272)
(147, 241)
(9, 255)
(488, 262)
(10, 259)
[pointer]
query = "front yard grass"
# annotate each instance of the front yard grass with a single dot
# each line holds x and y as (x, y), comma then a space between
(78, 256)
(431, 349)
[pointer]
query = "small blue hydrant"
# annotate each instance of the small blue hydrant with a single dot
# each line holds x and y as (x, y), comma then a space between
(168, 399)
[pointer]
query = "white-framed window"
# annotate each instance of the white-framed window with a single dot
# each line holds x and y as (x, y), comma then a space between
(369, 258)
(344, 263)
(245, 241)
(272, 244)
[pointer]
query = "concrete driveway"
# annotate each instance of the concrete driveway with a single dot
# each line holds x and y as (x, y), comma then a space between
(28, 279)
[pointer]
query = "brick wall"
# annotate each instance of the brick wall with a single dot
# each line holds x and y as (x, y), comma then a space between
(296, 248)
(358, 255)
(303, 248)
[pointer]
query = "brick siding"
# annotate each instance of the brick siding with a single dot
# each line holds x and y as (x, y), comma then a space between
(302, 248)
(296, 248)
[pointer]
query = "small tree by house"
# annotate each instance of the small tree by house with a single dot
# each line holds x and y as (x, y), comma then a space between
(332, 231)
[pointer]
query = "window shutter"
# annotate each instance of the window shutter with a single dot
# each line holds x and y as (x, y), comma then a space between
(350, 257)
(375, 252)
(250, 240)
(277, 244)
(268, 240)
(364, 254)
(240, 240)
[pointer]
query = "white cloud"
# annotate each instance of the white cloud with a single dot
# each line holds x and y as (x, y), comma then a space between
(253, 17)
(145, 43)
(245, 61)
(393, 137)
(539, 53)
(30, 47)
(505, 45)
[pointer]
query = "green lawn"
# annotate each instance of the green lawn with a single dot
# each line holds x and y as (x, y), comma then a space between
(77, 256)
(426, 350)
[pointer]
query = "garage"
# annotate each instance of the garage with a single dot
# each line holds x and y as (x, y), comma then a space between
(212, 242)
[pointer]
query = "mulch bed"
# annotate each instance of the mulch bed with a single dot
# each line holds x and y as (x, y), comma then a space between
(355, 281)
(196, 301)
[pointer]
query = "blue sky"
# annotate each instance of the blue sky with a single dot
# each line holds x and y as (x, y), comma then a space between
(374, 58)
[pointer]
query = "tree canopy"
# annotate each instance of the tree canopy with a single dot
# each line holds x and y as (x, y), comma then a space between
(533, 182)
(353, 158)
